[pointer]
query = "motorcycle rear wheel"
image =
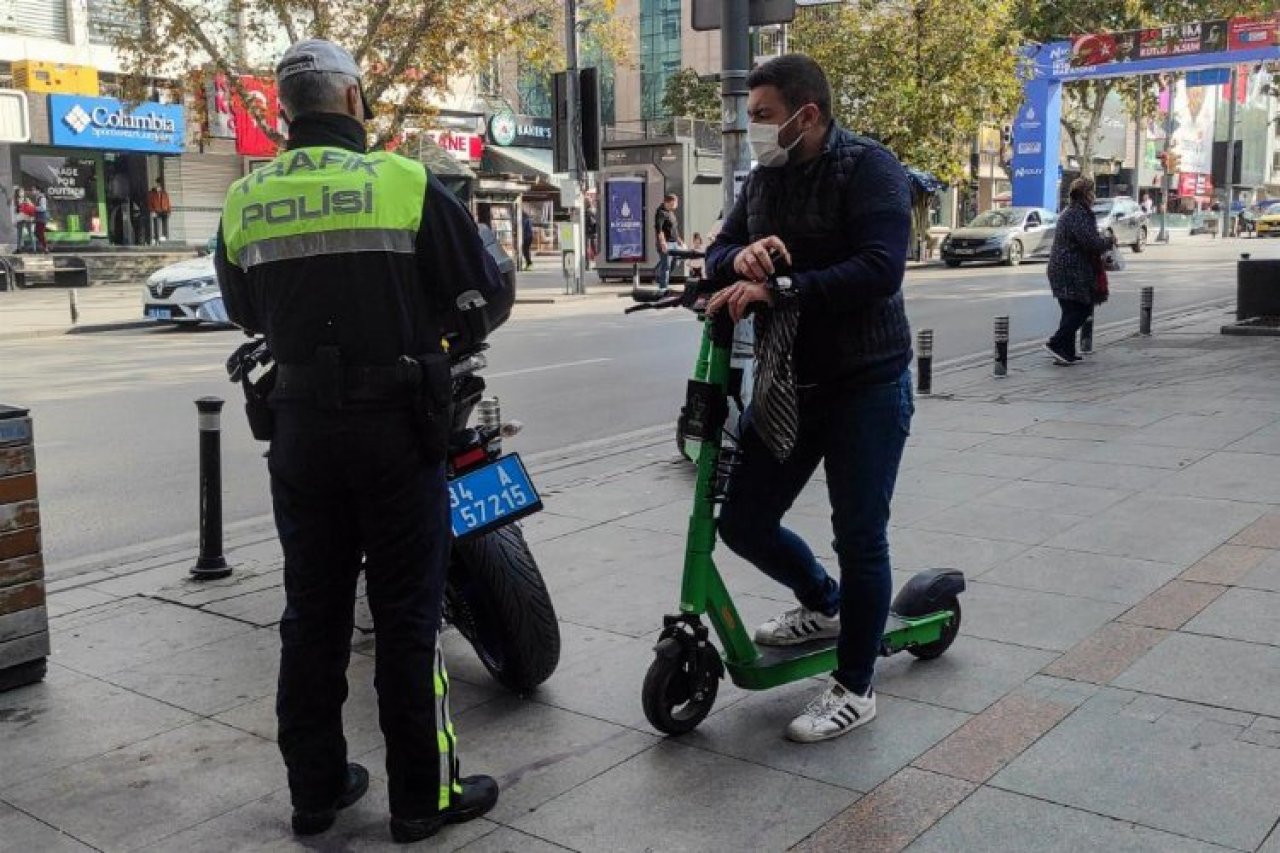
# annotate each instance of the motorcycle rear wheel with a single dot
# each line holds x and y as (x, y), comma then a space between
(496, 598)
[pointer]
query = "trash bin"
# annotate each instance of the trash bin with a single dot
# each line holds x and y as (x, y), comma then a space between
(24, 621)
(1257, 288)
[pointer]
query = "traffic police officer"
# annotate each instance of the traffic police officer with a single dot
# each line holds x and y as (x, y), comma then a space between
(349, 261)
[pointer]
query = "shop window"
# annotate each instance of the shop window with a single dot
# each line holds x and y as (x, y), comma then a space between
(71, 184)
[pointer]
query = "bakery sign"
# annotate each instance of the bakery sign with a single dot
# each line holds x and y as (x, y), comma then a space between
(467, 147)
(508, 129)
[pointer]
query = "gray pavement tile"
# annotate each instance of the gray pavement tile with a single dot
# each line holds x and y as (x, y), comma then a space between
(262, 608)
(22, 832)
(68, 718)
(1209, 787)
(151, 789)
(243, 581)
(137, 635)
(913, 549)
(546, 525)
(1241, 614)
(631, 601)
(1038, 620)
(968, 416)
(134, 581)
(606, 552)
(210, 678)
(753, 731)
(943, 439)
(1265, 440)
(671, 517)
(1079, 430)
(75, 600)
(1149, 455)
(1266, 575)
(1056, 497)
(1210, 670)
(943, 486)
(1207, 431)
(1160, 527)
(622, 496)
(360, 713)
(678, 798)
(1272, 844)
(1039, 447)
(1100, 475)
(1076, 573)
(1108, 414)
(983, 462)
(992, 821)
(1008, 524)
(973, 673)
(1230, 476)
(263, 825)
(537, 752)
(507, 840)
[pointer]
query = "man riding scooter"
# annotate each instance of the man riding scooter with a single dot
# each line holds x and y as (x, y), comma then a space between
(816, 245)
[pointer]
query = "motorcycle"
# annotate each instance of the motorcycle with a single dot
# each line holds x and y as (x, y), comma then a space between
(494, 593)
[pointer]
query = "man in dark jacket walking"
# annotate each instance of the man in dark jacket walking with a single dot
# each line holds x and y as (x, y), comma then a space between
(833, 386)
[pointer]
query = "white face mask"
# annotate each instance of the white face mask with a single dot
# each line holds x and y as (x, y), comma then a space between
(765, 147)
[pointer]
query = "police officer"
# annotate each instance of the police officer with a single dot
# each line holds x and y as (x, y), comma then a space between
(349, 261)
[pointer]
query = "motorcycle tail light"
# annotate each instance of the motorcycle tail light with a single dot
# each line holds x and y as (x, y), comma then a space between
(467, 458)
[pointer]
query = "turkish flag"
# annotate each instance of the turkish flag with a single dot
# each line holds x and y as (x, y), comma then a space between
(251, 140)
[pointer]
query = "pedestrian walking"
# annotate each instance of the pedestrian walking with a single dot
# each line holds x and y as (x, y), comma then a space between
(159, 206)
(350, 263)
(833, 351)
(667, 233)
(1074, 264)
(24, 217)
(41, 204)
(526, 240)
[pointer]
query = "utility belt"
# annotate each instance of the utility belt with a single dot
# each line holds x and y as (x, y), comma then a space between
(423, 383)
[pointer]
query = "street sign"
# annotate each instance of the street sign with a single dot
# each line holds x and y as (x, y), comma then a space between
(1208, 77)
(706, 13)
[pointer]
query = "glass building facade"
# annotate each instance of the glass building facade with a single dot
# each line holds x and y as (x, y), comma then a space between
(659, 53)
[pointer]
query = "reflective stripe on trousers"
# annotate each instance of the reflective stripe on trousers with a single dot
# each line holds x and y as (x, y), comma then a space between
(445, 737)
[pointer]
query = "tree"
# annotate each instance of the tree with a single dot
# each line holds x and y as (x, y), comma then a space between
(1085, 101)
(921, 76)
(408, 49)
(687, 95)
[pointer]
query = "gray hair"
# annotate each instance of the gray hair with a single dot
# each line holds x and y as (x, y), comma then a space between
(319, 92)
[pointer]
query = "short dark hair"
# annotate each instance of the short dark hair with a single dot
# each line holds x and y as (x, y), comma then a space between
(798, 79)
(670, 197)
(1080, 188)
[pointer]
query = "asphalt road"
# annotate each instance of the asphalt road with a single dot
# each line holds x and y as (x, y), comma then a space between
(115, 423)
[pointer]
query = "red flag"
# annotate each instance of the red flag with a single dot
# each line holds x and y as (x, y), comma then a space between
(251, 140)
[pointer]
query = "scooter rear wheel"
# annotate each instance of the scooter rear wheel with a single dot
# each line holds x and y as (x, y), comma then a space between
(929, 651)
(679, 689)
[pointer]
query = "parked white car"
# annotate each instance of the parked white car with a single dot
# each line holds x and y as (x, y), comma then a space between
(185, 293)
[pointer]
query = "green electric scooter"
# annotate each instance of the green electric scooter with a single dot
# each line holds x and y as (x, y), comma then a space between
(681, 684)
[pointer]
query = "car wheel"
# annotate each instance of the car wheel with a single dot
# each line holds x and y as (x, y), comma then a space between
(1014, 255)
(951, 262)
(1141, 242)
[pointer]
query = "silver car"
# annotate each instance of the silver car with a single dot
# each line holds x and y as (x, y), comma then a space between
(1007, 235)
(1122, 219)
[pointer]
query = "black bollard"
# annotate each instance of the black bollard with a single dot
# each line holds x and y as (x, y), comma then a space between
(211, 564)
(1001, 366)
(924, 361)
(75, 307)
(1086, 334)
(1144, 317)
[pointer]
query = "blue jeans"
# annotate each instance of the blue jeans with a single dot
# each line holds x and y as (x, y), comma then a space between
(662, 272)
(858, 434)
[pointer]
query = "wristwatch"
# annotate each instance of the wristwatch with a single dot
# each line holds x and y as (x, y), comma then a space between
(781, 286)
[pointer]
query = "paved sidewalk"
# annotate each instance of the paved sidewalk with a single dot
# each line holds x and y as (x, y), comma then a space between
(1116, 684)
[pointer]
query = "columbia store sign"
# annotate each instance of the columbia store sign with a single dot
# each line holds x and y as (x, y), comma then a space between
(109, 125)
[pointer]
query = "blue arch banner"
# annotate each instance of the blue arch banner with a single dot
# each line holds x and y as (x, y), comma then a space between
(1037, 128)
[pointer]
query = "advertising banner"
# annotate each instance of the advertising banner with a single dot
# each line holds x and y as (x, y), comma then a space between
(1201, 37)
(106, 124)
(624, 231)
(75, 180)
(1249, 33)
(467, 147)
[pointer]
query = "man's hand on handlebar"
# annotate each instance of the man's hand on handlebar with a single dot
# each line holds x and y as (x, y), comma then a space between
(754, 263)
(739, 298)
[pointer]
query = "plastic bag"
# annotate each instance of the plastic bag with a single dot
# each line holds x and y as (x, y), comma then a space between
(1113, 261)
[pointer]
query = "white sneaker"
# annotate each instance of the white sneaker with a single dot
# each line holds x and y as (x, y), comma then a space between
(798, 626)
(834, 712)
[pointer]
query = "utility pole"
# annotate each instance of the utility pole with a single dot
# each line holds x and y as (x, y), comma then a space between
(1163, 236)
(1230, 176)
(1137, 142)
(574, 113)
(735, 52)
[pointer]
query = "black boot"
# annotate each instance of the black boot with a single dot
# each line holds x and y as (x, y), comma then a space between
(314, 822)
(479, 794)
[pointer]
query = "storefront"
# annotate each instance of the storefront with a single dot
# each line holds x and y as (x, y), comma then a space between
(96, 164)
(519, 152)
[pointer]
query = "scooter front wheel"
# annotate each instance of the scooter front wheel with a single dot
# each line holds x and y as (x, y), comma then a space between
(679, 688)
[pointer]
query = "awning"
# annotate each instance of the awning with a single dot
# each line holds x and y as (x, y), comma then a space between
(441, 163)
(530, 162)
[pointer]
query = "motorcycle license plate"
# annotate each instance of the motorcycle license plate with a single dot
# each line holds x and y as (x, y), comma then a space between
(492, 496)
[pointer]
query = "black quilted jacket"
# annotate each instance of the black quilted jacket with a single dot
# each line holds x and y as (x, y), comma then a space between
(1075, 246)
(845, 217)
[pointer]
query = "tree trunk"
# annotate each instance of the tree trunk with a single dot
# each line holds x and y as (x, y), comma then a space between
(1101, 91)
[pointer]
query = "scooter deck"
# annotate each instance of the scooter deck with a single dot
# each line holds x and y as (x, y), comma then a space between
(783, 664)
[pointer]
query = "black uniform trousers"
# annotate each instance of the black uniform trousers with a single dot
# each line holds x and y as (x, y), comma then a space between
(347, 485)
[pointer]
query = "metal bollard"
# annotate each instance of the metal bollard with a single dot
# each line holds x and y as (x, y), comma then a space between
(1086, 334)
(924, 361)
(74, 304)
(635, 277)
(211, 564)
(1144, 316)
(1001, 366)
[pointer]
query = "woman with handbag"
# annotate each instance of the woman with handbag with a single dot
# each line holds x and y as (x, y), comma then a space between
(1074, 267)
